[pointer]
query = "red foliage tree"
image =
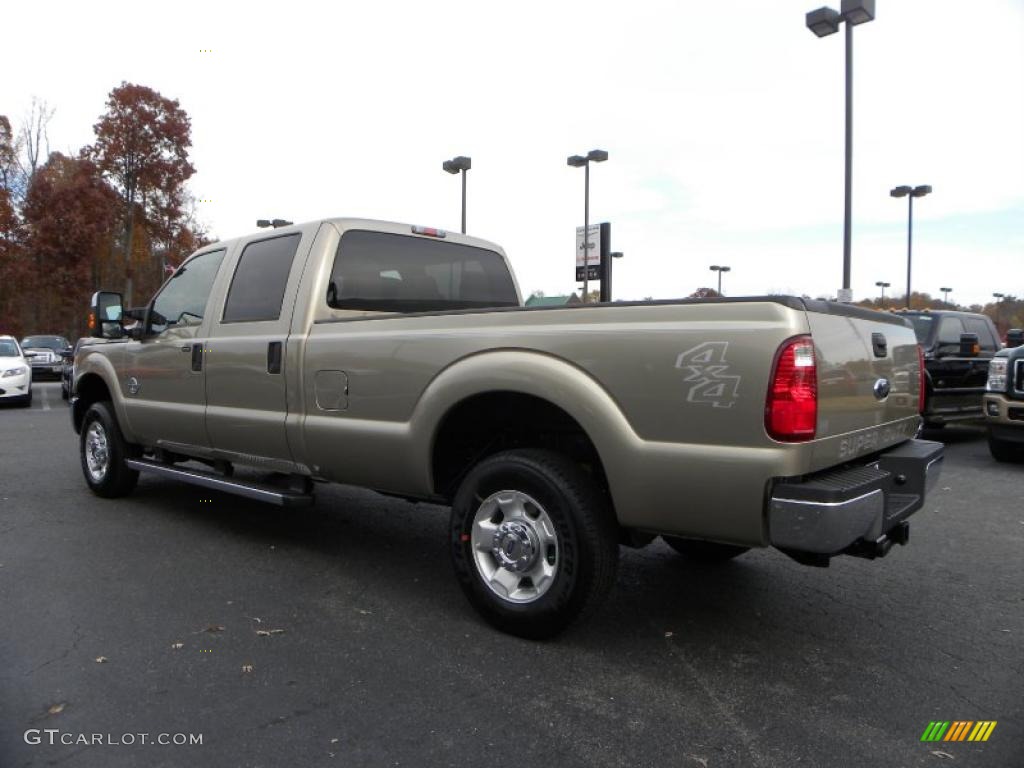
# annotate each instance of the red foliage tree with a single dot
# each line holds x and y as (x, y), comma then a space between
(141, 146)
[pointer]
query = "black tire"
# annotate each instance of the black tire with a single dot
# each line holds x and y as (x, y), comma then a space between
(704, 551)
(587, 541)
(64, 394)
(116, 479)
(1002, 450)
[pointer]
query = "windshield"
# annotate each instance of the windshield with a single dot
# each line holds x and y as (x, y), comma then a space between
(56, 343)
(9, 348)
(922, 326)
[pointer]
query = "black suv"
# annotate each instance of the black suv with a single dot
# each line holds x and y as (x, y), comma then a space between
(957, 349)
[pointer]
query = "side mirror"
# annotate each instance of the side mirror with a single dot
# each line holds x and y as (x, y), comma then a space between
(1015, 337)
(969, 346)
(105, 310)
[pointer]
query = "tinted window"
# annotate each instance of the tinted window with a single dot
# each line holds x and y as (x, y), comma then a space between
(182, 301)
(950, 329)
(398, 273)
(9, 348)
(257, 289)
(922, 326)
(985, 337)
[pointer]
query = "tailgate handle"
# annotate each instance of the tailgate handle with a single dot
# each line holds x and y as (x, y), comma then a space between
(274, 357)
(879, 344)
(197, 357)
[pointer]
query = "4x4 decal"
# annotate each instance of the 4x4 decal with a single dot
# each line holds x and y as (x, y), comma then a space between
(707, 369)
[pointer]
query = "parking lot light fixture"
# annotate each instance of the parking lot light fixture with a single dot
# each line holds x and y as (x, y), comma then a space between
(823, 22)
(720, 270)
(945, 296)
(883, 285)
(456, 165)
(580, 161)
(910, 193)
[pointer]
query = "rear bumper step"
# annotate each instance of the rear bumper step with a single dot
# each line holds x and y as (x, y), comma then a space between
(270, 494)
(855, 510)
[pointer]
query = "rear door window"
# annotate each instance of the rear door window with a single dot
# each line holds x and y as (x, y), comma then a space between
(399, 273)
(257, 288)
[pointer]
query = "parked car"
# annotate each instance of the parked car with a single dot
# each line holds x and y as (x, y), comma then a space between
(957, 348)
(15, 373)
(401, 359)
(44, 355)
(67, 371)
(1004, 401)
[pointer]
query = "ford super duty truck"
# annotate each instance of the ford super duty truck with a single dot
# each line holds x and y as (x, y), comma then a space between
(401, 359)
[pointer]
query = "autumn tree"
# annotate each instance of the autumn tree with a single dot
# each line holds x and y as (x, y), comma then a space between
(70, 222)
(142, 143)
(10, 252)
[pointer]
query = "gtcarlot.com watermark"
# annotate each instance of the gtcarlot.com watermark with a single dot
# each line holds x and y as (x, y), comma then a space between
(55, 736)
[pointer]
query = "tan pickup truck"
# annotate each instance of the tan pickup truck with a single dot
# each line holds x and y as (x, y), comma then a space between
(401, 359)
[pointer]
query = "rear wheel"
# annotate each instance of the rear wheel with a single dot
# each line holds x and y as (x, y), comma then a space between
(1003, 450)
(533, 541)
(704, 551)
(103, 453)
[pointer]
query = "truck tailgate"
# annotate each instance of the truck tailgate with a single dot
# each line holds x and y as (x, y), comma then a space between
(868, 380)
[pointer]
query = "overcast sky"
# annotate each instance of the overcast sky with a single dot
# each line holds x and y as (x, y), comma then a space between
(723, 120)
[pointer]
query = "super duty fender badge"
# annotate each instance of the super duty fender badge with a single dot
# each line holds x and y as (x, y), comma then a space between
(132, 385)
(707, 372)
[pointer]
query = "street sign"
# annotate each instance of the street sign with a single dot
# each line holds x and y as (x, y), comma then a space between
(594, 262)
(844, 296)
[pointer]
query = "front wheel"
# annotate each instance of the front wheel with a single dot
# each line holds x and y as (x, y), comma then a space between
(1002, 450)
(533, 541)
(704, 551)
(103, 452)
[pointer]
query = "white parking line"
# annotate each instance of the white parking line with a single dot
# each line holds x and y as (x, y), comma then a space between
(46, 400)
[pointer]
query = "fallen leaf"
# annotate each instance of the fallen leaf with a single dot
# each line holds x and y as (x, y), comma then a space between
(941, 754)
(177, 646)
(214, 628)
(268, 632)
(257, 619)
(947, 488)
(334, 741)
(669, 634)
(101, 659)
(365, 612)
(56, 709)
(246, 669)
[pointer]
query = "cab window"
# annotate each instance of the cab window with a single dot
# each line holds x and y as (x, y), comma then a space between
(950, 329)
(386, 272)
(182, 301)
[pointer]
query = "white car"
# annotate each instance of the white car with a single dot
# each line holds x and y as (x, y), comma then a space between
(15, 373)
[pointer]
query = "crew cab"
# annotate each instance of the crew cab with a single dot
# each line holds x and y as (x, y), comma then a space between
(957, 348)
(401, 359)
(1004, 400)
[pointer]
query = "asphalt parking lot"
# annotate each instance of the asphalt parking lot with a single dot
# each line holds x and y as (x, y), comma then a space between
(337, 635)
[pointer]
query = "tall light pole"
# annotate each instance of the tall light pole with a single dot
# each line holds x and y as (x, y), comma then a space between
(999, 297)
(945, 296)
(883, 286)
(576, 161)
(720, 270)
(822, 22)
(455, 165)
(910, 193)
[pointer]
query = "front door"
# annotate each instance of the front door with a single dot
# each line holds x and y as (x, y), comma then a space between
(164, 389)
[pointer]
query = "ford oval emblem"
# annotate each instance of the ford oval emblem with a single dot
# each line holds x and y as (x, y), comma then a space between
(881, 389)
(133, 386)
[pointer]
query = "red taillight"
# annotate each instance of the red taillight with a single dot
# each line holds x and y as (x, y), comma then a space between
(921, 379)
(791, 414)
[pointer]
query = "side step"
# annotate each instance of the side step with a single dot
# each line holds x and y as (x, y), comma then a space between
(282, 497)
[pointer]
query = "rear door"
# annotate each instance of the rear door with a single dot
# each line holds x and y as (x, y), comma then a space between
(246, 384)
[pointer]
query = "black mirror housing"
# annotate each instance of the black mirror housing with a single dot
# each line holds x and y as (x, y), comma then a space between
(105, 310)
(969, 346)
(1015, 337)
